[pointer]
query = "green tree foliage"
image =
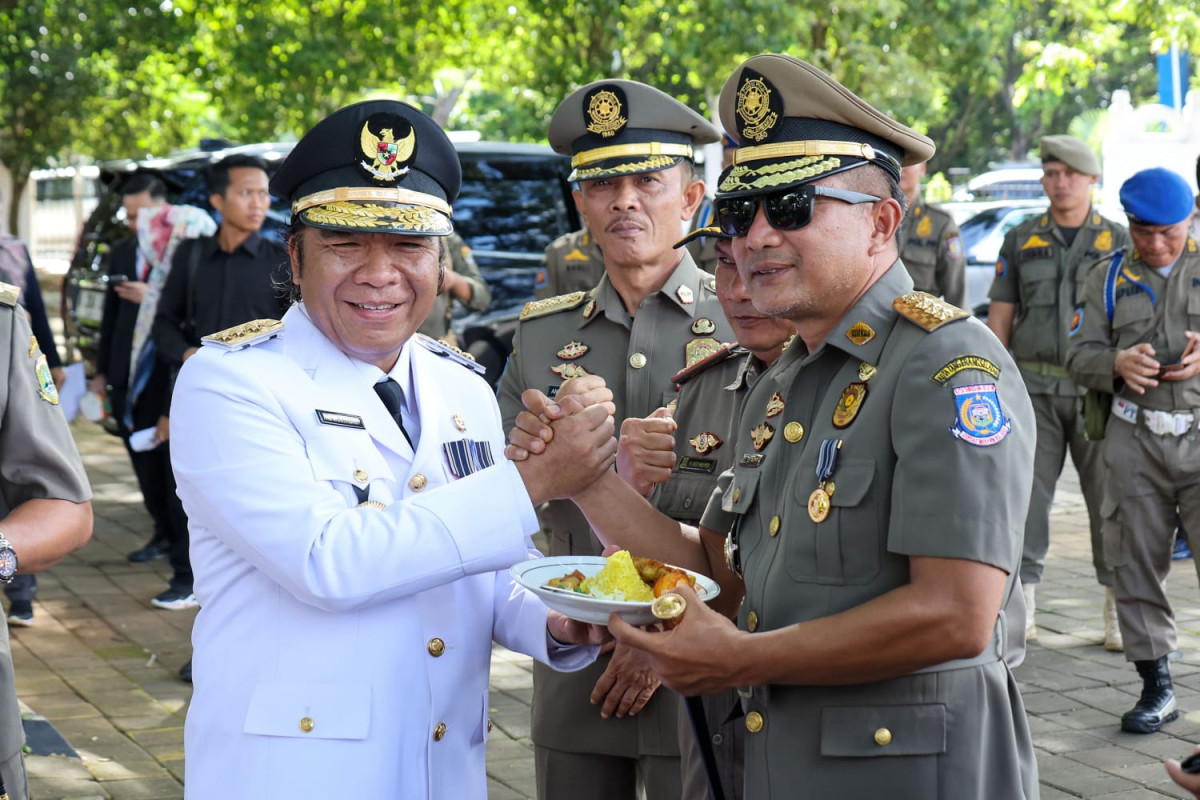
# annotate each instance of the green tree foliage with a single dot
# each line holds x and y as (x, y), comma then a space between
(81, 79)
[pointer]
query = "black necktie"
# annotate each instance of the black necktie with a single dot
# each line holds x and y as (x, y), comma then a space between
(393, 399)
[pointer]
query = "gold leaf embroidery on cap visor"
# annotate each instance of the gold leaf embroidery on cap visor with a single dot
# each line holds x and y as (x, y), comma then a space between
(741, 178)
(369, 215)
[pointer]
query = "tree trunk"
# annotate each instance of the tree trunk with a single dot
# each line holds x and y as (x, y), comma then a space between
(20, 180)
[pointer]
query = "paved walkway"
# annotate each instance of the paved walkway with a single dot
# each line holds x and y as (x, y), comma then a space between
(100, 666)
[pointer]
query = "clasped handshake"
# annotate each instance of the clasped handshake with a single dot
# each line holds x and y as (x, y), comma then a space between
(561, 446)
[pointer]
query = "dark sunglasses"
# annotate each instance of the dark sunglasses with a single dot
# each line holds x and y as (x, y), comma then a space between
(787, 209)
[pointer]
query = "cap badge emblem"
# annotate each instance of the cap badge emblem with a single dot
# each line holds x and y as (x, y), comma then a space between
(604, 109)
(755, 107)
(387, 159)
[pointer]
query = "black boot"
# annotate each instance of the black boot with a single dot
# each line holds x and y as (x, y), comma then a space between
(1156, 706)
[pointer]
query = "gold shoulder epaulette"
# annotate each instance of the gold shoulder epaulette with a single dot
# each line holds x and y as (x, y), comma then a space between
(9, 294)
(447, 350)
(723, 352)
(927, 311)
(245, 335)
(552, 305)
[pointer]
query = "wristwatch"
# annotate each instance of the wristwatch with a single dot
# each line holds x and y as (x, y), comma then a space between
(8, 560)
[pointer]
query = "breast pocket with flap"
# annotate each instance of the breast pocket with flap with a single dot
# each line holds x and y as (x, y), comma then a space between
(304, 709)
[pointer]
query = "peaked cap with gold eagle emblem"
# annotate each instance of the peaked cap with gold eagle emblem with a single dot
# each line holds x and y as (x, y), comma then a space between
(795, 125)
(620, 127)
(376, 167)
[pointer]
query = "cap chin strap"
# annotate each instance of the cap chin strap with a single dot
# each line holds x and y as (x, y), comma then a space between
(636, 149)
(382, 194)
(811, 147)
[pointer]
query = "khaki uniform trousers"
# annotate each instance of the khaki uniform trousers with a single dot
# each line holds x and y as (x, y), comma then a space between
(1059, 431)
(1150, 476)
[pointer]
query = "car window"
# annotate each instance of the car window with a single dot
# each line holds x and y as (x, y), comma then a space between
(510, 205)
(980, 225)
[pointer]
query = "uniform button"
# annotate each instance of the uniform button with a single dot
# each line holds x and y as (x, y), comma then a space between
(755, 722)
(883, 737)
(774, 528)
(360, 475)
(637, 360)
(436, 647)
(718, 739)
(439, 731)
(417, 482)
(307, 724)
(752, 621)
(793, 432)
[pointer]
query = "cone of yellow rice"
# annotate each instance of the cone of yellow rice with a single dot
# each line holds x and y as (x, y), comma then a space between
(618, 580)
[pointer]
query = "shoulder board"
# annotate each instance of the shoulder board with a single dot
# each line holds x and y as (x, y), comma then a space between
(723, 352)
(927, 311)
(451, 352)
(9, 294)
(245, 335)
(551, 305)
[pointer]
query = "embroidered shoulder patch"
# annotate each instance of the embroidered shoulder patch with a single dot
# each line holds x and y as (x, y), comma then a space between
(962, 364)
(978, 418)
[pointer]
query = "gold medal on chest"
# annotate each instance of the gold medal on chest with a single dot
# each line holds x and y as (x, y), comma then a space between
(849, 404)
(775, 405)
(761, 435)
(568, 371)
(572, 350)
(818, 505)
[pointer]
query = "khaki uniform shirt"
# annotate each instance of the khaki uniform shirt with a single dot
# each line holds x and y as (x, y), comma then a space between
(637, 357)
(1044, 278)
(706, 412)
(936, 461)
(38, 460)
(572, 263)
(459, 258)
(933, 252)
(1137, 317)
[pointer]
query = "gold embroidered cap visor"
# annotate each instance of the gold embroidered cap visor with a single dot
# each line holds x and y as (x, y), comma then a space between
(620, 127)
(796, 124)
(376, 167)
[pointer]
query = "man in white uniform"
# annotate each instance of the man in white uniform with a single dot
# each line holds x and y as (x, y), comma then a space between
(352, 516)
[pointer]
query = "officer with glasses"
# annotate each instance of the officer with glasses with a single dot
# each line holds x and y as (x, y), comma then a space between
(879, 486)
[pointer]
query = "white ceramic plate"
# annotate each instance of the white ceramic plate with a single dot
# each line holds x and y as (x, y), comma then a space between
(534, 573)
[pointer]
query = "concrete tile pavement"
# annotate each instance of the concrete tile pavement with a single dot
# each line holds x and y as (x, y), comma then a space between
(100, 665)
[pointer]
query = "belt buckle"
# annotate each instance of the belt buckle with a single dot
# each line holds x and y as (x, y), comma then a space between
(1183, 423)
(1158, 422)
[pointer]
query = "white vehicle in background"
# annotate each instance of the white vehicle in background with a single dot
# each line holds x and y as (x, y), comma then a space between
(61, 199)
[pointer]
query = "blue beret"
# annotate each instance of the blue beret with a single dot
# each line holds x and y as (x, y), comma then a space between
(1157, 196)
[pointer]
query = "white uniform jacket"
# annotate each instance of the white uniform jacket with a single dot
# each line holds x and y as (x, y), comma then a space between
(344, 650)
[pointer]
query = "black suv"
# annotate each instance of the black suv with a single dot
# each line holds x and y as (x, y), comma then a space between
(515, 200)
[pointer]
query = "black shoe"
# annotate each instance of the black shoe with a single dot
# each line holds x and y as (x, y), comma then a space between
(20, 613)
(175, 599)
(1156, 706)
(185, 672)
(155, 550)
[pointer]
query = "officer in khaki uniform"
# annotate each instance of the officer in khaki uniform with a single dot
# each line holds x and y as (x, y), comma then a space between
(45, 511)
(461, 281)
(571, 263)
(682, 458)
(1039, 282)
(651, 314)
(1135, 339)
(880, 483)
(929, 243)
